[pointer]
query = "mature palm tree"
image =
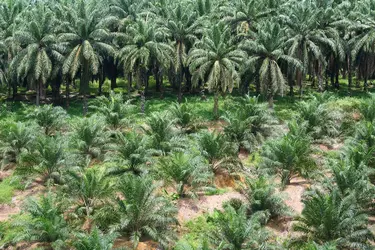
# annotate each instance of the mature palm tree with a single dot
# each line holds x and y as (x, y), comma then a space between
(144, 45)
(305, 38)
(144, 212)
(266, 51)
(183, 28)
(215, 60)
(9, 20)
(39, 51)
(87, 41)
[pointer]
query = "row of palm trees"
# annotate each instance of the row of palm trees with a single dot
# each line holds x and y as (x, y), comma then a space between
(192, 43)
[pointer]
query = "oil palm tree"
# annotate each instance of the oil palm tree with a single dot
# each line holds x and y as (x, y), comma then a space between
(184, 169)
(183, 28)
(48, 117)
(236, 231)
(129, 153)
(39, 50)
(16, 138)
(215, 60)
(144, 212)
(305, 36)
(47, 158)
(87, 42)
(46, 224)
(94, 241)
(331, 217)
(266, 52)
(145, 43)
(89, 187)
(289, 155)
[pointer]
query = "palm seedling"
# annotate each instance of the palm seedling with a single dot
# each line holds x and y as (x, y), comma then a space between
(262, 196)
(236, 231)
(129, 153)
(184, 169)
(144, 212)
(115, 109)
(219, 152)
(365, 132)
(332, 217)
(46, 159)
(289, 155)
(46, 222)
(48, 117)
(14, 139)
(95, 240)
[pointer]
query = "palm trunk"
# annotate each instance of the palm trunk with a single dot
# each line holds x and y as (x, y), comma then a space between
(180, 80)
(85, 84)
(130, 82)
(350, 74)
(216, 105)
(67, 92)
(37, 94)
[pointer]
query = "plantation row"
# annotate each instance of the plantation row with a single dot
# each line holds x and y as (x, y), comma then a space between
(120, 174)
(191, 44)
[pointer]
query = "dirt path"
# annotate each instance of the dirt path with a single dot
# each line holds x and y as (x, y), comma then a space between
(7, 210)
(189, 209)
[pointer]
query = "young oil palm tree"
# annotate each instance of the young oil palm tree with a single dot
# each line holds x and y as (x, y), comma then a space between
(184, 169)
(46, 159)
(87, 41)
(129, 153)
(116, 110)
(266, 51)
(236, 231)
(215, 60)
(89, 136)
(290, 155)
(321, 120)
(203, 245)
(249, 124)
(39, 50)
(88, 188)
(96, 240)
(183, 114)
(144, 212)
(220, 153)
(48, 117)
(16, 138)
(46, 224)
(162, 133)
(331, 217)
(262, 196)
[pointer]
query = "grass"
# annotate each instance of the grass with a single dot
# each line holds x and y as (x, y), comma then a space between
(7, 188)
